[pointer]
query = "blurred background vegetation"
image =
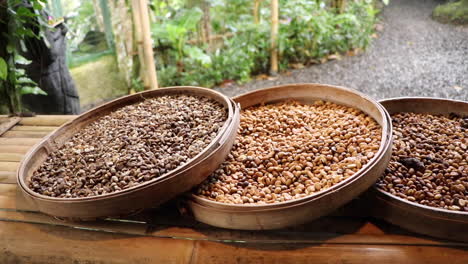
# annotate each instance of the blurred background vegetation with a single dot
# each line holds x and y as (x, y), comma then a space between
(204, 42)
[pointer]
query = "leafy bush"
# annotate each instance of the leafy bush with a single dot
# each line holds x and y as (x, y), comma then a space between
(309, 31)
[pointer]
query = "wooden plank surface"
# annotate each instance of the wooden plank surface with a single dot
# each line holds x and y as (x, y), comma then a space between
(33, 128)
(25, 134)
(7, 123)
(14, 149)
(8, 196)
(207, 252)
(46, 120)
(166, 222)
(8, 177)
(57, 244)
(18, 141)
(34, 244)
(8, 166)
(14, 157)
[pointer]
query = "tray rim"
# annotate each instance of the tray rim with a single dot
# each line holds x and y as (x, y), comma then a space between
(278, 205)
(400, 201)
(44, 142)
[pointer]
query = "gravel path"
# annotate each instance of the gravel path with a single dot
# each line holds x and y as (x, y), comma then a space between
(413, 56)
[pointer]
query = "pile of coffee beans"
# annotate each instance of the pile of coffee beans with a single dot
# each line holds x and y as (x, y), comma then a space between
(290, 150)
(429, 164)
(131, 145)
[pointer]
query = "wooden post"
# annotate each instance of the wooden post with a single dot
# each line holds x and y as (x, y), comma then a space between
(274, 38)
(147, 46)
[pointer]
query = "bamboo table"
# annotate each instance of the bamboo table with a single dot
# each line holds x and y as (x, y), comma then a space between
(164, 236)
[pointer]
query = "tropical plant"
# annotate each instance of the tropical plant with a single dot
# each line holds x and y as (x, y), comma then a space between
(309, 31)
(18, 19)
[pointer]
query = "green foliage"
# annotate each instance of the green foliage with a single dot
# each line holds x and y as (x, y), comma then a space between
(137, 85)
(83, 58)
(18, 23)
(3, 69)
(309, 31)
(452, 12)
(81, 22)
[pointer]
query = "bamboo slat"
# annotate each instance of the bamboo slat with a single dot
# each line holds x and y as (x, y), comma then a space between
(8, 166)
(25, 134)
(19, 141)
(15, 157)
(6, 125)
(34, 128)
(46, 120)
(7, 177)
(14, 149)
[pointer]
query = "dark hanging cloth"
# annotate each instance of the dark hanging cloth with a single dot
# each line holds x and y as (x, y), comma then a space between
(49, 70)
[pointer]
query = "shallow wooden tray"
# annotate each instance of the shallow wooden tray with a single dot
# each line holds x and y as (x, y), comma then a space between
(294, 212)
(148, 194)
(413, 216)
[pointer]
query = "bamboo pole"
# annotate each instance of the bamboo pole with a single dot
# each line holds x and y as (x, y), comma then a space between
(274, 37)
(139, 42)
(147, 47)
(256, 10)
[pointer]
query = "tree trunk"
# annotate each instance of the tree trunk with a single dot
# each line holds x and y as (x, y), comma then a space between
(274, 37)
(106, 14)
(122, 26)
(99, 18)
(206, 20)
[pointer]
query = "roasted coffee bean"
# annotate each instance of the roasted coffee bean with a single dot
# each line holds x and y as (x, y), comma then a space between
(130, 146)
(289, 150)
(429, 160)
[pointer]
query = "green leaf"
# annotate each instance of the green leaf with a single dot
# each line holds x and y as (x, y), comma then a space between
(25, 80)
(32, 90)
(21, 60)
(24, 12)
(198, 55)
(3, 69)
(37, 6)
(10, 49)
